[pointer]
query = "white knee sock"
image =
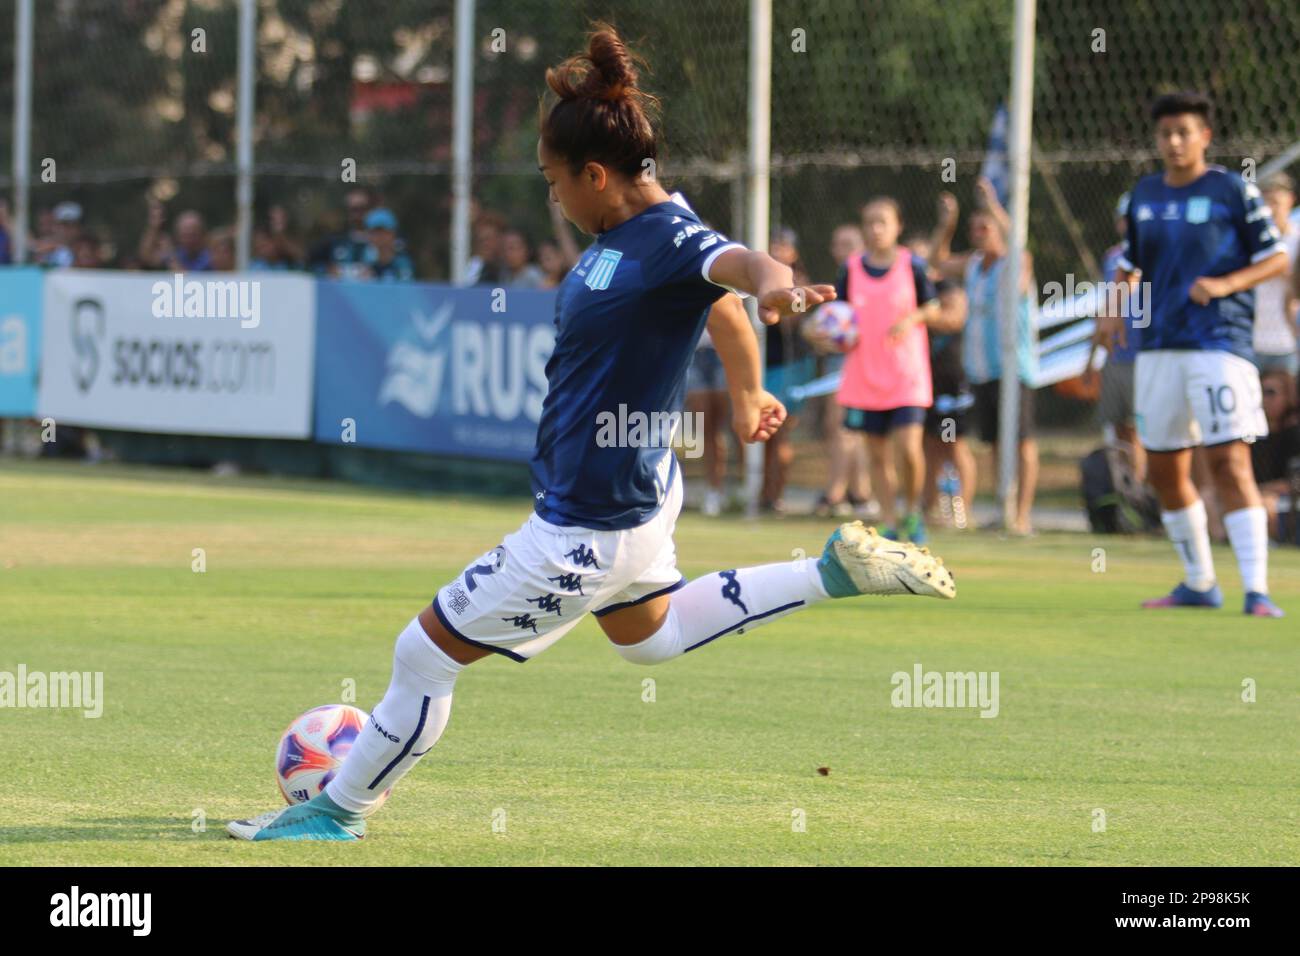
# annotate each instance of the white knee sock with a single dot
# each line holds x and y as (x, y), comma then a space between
(728, 602)
(403, 726)
(1248, 533)
(1187, 529)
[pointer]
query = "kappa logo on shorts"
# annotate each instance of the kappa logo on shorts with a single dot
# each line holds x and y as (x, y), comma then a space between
(525, 622)
(731, 590)
(546, 603)
(583, 557)
(569, 582)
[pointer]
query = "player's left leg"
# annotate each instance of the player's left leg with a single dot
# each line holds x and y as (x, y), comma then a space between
(1227, 400)
(856, 561)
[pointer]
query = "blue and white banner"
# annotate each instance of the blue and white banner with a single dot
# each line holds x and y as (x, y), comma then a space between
(428, 368)
(210, 354)
(20, 341)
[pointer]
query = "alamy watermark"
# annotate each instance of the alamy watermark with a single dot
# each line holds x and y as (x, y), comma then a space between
(637, 429)
(208, 299)
(1129, 300)
(75, 690)
(922, 688)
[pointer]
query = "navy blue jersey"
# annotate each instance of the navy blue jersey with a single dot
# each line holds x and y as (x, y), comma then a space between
(1176, 234)
(627, 319)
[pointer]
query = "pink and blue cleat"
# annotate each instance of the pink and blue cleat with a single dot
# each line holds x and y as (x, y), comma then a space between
(1183, 596)
(1260, 605)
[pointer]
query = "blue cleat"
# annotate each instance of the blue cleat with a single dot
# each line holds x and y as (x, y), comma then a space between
(1183, 596)
(302, 821)
(858, 560)
(1260, 605)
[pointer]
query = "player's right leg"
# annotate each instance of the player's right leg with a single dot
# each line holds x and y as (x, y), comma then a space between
(516, 600)
(1168, 431)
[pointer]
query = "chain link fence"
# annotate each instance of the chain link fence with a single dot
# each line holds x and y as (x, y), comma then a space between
(134, 100)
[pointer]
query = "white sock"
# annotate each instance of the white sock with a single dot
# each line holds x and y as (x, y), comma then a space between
(729, 602)
(1248, 533)
(1187, 529)
(403, 726)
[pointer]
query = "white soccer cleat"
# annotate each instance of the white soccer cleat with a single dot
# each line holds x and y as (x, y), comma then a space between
(859, 560)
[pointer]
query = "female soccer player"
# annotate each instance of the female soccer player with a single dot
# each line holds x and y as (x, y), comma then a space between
(600, 539)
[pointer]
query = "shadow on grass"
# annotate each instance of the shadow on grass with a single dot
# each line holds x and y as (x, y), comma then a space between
(111, 829)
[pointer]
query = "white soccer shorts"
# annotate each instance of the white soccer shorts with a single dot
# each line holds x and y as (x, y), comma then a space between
(529, 591)
(1188, 398)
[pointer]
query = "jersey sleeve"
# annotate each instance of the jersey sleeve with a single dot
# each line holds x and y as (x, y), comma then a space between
(685, 253)
(1258, 232)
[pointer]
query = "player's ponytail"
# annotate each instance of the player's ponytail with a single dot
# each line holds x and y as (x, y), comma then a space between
(599, 113)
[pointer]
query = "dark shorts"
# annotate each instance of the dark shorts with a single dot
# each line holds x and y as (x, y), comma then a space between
(705, 373)
(882, 423)
(948, 408)
(1115, 405)
(986, 411)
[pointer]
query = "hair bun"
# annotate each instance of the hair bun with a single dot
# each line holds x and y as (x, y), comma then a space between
(612, 74)
(606, 72)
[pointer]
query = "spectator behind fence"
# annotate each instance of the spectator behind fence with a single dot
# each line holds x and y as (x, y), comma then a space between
(484, 266)
(945, 425)
(385, 260)
(552, 261)
(67, 232)
(517, 269)
(848, 487)
(789, 363)
(86, 253)
(1275, 299)
(981, 272)
(1272, 455)
(221, 246)
(1115, 407)
(343, 254)
(185, 251)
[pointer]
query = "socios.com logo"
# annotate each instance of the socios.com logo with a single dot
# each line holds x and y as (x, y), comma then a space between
(87, 334)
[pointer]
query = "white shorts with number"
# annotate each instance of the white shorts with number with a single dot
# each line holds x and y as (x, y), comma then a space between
(529, 591)
(1188, 398)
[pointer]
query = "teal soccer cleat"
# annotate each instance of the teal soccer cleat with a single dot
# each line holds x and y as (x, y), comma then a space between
(859, 560)
(300, 822)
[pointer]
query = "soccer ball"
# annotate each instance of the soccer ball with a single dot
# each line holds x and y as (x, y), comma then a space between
(312, 750)
(837, 322)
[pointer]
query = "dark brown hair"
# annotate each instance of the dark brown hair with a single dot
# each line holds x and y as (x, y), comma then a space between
(1184, 101)
(599, 114)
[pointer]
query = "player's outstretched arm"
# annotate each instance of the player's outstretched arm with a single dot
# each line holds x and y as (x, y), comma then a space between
(756, 414)
(769, 282)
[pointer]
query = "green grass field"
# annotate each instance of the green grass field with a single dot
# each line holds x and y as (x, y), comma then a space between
(1102, 707)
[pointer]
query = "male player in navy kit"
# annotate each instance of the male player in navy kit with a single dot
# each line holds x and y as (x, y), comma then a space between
(600, 539)
(1201, 239)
